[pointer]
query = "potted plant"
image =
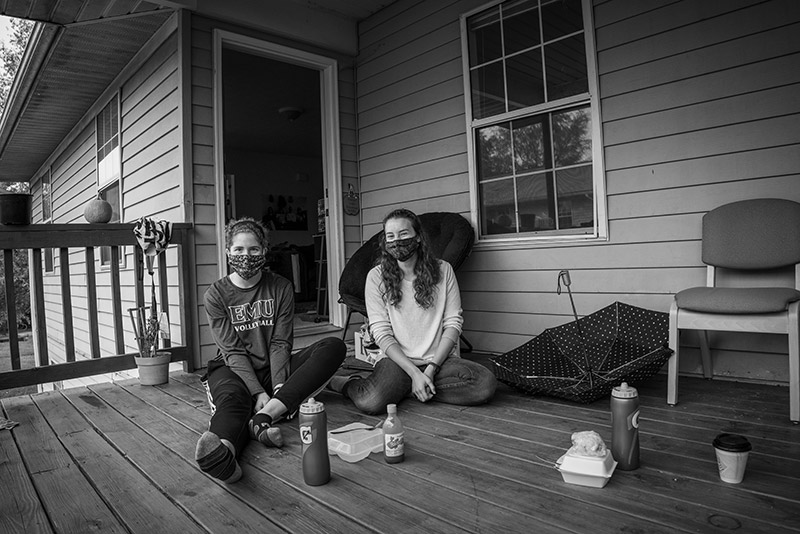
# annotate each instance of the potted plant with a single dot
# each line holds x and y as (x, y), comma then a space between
(150, 328)
(15, 203)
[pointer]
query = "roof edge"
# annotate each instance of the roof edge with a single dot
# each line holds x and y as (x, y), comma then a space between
(42, 38)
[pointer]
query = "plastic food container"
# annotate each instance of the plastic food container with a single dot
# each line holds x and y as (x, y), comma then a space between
(592, 471)
(356, 444)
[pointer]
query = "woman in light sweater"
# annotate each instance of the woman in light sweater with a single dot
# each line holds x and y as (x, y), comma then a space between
(414, 314)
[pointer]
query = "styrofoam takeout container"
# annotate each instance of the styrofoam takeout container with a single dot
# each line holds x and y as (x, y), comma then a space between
(356, 444)
(592, 471)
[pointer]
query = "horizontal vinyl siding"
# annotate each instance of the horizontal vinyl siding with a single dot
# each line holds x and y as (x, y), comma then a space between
(700, 107)
(148, 103)
(151, 139)
(412, 132)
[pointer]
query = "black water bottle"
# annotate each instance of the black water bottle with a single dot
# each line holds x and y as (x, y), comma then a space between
(625, 426)
(313, 425)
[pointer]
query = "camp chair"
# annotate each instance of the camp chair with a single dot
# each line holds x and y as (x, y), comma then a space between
(451, 237)
(746, 239)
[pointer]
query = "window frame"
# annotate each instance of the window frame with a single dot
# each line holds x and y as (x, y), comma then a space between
(104, 184)
(47, 201)
(600, 228)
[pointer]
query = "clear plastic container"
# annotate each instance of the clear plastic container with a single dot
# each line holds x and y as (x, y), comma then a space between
(592, 471)
(358, 442)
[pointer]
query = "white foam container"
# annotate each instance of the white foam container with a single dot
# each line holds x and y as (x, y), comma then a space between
(360, 442)
(592, 471)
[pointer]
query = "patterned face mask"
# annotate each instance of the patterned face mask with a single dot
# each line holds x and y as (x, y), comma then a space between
(245, 265)
(403, 249)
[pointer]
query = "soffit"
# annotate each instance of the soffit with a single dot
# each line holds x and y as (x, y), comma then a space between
(77, 68)
(84, 45)
(66, 12)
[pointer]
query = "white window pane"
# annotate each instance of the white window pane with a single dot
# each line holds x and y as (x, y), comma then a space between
(494, 151)
(488, 92)
(565, 65)
(572, 137)
(498, 210)
(575, 198)
(520, 26)
(536, 202)
(484, 37)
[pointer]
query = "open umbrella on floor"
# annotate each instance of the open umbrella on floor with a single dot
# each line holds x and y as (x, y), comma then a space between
(584, 359)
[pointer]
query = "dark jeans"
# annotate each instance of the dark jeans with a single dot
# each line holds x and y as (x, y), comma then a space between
(232, 404)
(459, 381)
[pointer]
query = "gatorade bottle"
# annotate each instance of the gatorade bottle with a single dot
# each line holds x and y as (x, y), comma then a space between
(313, 423)
(393, 438)
(625, 426)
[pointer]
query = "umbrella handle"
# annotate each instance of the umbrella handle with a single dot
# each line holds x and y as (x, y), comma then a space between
(563, 276)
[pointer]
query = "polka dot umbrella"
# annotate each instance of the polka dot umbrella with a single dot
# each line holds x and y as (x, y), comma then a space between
(584, 359)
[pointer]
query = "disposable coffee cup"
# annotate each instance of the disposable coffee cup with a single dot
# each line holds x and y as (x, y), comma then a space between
(732, 452)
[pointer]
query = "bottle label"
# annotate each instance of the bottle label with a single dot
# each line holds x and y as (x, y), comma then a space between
(393, 444)
(634, 420)
(306, 434)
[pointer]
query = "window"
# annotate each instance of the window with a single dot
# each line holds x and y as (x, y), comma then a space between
(109, 167)
(47, 216)
(533, 122)
(109, 162)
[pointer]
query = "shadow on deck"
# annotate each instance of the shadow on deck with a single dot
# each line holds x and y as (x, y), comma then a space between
(119, 457)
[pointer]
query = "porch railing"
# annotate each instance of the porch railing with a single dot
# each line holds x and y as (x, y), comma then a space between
(74, 246)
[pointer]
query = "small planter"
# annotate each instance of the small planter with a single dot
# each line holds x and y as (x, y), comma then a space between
(154, 371)
(15, 208)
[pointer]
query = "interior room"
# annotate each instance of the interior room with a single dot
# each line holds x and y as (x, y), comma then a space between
(273, 168)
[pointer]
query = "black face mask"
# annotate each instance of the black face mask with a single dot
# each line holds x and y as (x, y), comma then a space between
(403, 249)
(245, 265)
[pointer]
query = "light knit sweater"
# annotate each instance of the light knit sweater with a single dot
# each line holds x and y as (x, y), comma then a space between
(417, 330)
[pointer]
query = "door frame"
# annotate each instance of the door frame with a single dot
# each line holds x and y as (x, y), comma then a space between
(331, 148)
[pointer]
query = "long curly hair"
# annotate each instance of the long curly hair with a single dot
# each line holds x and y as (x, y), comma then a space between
(426, 269)
(246, 225)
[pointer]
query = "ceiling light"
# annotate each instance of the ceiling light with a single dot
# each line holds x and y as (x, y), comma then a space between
(291, 113)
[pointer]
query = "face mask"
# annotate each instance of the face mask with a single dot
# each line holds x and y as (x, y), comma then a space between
(403, 249)
(245, 265)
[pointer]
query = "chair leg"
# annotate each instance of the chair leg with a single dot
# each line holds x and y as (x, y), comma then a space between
(794, 362)
(705, 354)
(674, 344)
(347, 322)
(466, 343)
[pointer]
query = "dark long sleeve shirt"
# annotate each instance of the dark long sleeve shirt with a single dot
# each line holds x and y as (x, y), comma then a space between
(253, 329)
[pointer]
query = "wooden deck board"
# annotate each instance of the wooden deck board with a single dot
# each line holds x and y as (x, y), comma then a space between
(119, 457)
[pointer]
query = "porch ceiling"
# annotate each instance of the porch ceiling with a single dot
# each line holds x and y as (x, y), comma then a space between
(68, 70)
(77, 51)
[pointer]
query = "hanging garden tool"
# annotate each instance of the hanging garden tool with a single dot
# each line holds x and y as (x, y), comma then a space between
(153, 237)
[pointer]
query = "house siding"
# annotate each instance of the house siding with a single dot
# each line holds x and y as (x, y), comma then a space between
(203, 149)
(151, 186)
(700, 104)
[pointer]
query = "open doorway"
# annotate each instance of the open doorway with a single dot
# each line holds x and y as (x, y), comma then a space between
(274, 168)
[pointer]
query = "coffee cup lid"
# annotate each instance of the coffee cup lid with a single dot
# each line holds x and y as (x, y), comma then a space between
(732, 443)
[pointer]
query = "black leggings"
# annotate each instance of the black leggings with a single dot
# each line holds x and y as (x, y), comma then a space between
(233, 405)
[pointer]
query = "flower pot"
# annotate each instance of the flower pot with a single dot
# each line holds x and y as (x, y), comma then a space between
(15, 208)
(154, 371)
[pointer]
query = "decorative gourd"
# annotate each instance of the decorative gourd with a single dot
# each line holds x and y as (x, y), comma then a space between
(97, 211)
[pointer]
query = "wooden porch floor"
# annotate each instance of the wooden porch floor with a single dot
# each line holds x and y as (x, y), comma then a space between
(120, 458)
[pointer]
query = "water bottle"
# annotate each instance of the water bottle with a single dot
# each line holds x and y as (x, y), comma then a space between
(625, 426)
(393, 438)
(313, 423)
